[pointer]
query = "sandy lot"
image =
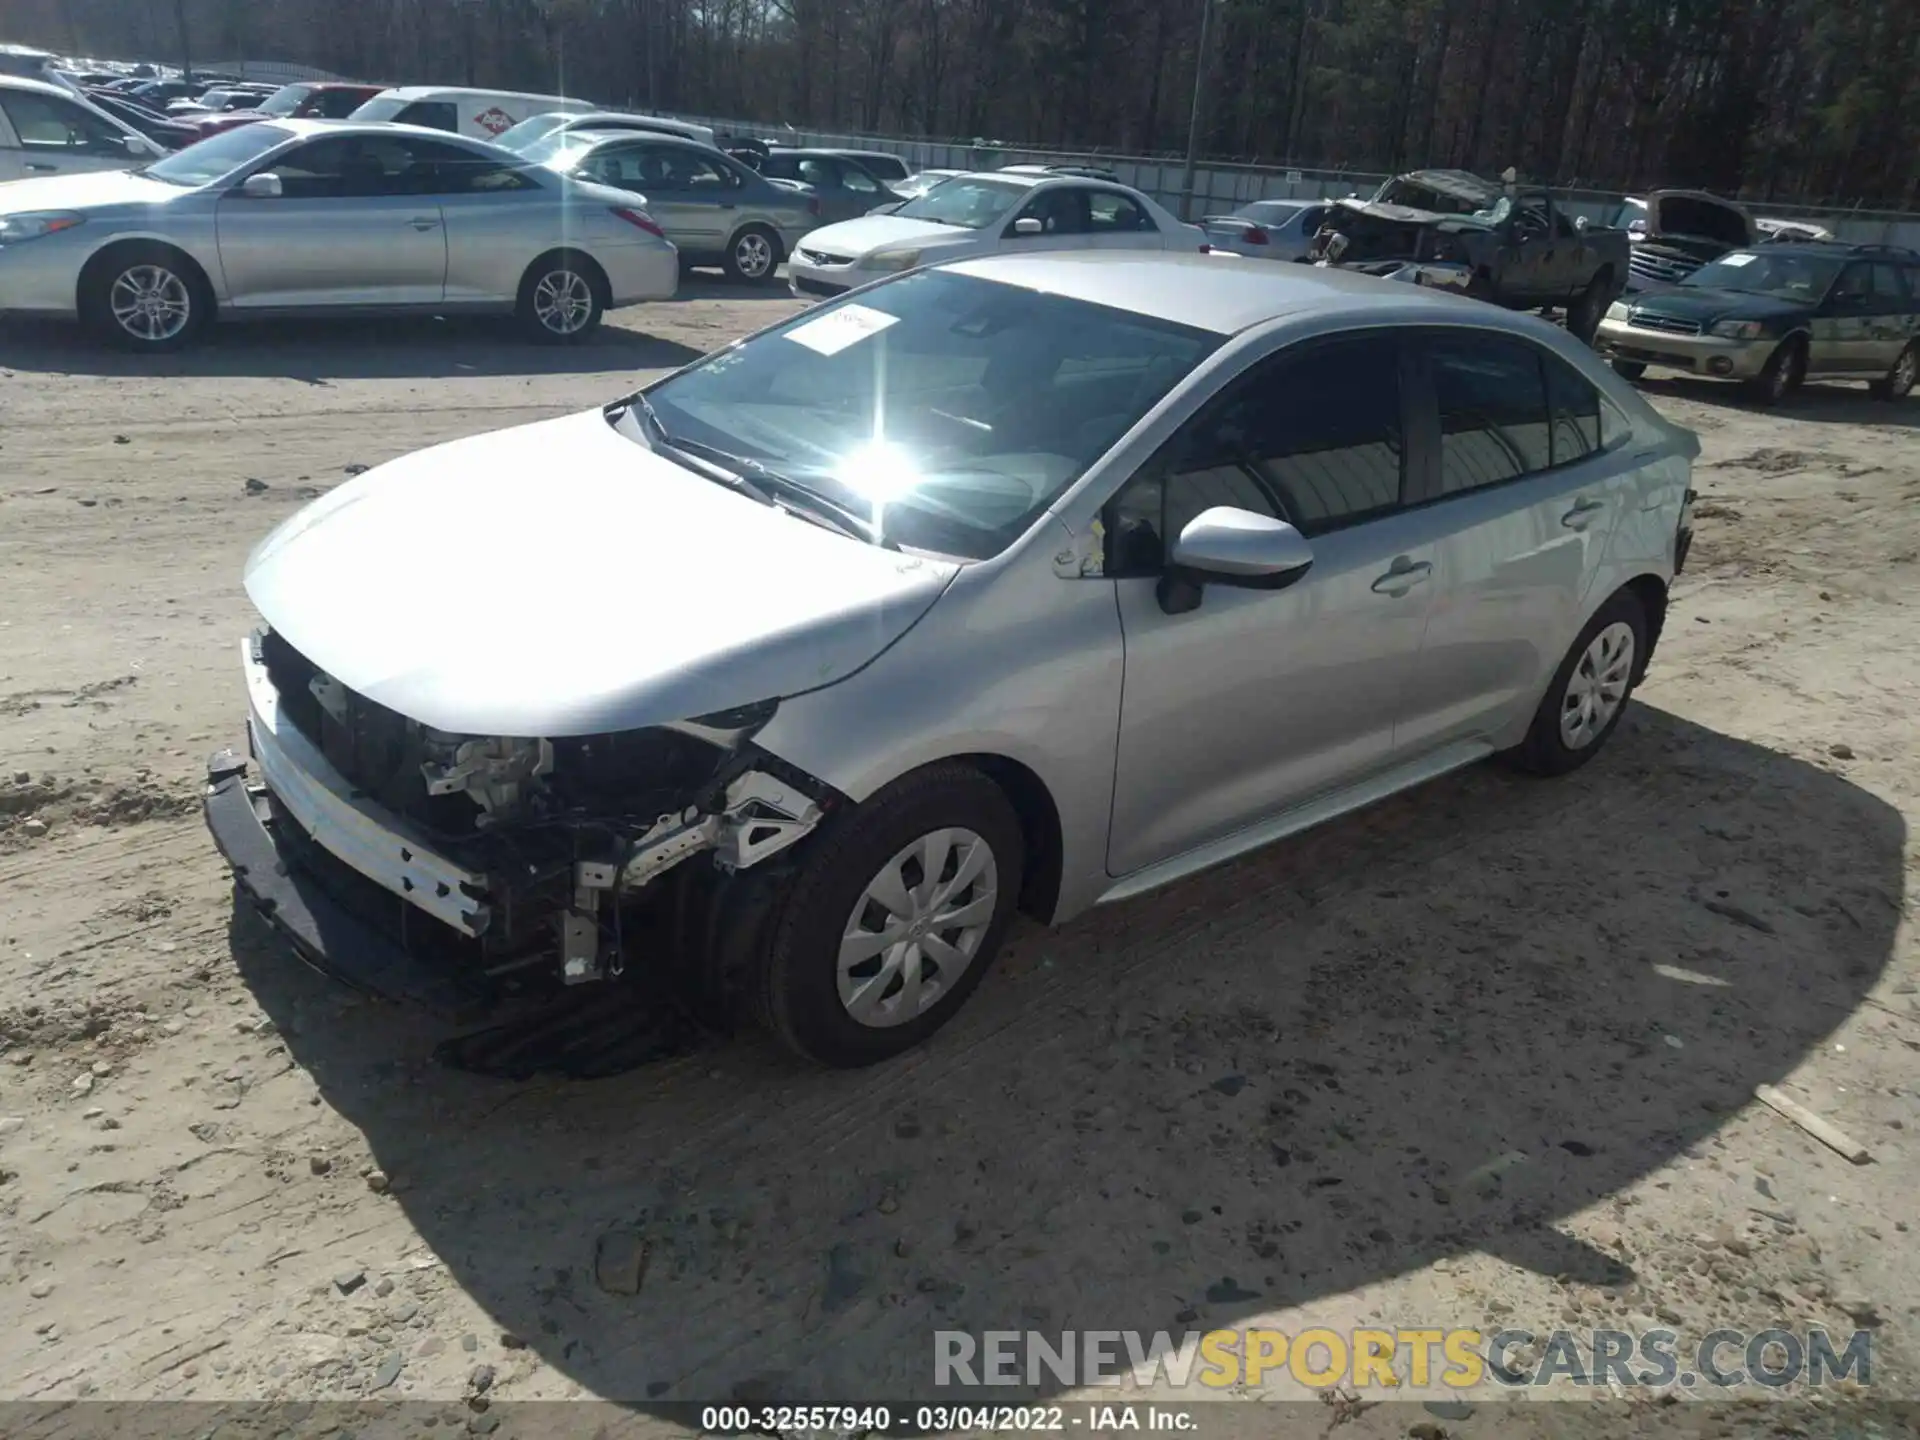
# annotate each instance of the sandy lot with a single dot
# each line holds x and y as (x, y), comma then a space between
(1484, 1056)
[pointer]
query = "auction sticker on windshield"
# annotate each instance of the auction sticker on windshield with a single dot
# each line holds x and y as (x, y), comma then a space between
(848, 325)
(1738, 259)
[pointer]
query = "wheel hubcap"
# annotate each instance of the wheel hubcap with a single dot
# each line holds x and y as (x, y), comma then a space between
(753, 255)
(1905, 370)
(563, 301)
(1598, 686)
(917, 927)
(150, 303)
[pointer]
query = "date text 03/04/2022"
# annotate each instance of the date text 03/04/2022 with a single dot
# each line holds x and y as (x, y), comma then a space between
(1094, 1417)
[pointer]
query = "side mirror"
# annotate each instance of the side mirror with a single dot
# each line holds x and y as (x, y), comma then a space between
(1581, 223)
(265, 186)
(1027, 225)
(1228, 546)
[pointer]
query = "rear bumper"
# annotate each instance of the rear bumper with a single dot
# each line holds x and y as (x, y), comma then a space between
(296, 901)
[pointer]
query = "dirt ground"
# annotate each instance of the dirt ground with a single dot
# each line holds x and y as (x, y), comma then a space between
(1484, 1056)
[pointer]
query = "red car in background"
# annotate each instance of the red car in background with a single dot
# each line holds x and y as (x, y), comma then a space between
(308, 100)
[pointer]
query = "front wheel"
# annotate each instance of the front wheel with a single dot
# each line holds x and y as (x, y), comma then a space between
(1898, 382)
(753, 256)
(562, 299)
(1784, 371)
(896, 913)
(1589, 691)
(145, 298)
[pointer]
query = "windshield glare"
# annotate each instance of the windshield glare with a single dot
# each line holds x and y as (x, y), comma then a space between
(522, 136)
(283, 101)
(1805, 278)
(969, 202)
(209, 160)
(562, 150)
(951, 409)
(381, 107)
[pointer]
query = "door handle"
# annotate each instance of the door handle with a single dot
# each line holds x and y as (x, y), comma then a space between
(1580, 516)
(422, 222)
(1402, 576)
(32, 165)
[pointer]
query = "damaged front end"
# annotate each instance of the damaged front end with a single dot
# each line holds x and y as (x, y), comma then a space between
(1379, 238)
(451, 869)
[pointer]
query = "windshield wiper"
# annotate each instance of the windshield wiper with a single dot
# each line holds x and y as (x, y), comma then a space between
(768, 485)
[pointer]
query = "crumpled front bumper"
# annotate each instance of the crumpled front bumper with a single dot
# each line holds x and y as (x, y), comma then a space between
(290, 889)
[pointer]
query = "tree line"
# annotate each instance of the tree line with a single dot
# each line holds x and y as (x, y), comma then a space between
(1770, 99)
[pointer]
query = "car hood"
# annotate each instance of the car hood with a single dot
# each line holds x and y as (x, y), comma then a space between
(873, 232)
(85, 191)
(1690, 302)
(561, 579)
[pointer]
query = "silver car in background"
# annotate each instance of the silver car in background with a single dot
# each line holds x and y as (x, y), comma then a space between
(320, 217)
(1027, 581)
(1267, 229)
(714, 209)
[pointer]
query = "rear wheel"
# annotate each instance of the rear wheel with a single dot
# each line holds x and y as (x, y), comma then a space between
(1898, 382)
(563, 298)
(1583, 319)
(753, 256)
(145, 298)
(896, 913)
(1784, 371)
(1589, 691)
(1629, 369)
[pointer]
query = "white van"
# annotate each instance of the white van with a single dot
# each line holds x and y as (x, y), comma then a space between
(481, 114)
(47, 130)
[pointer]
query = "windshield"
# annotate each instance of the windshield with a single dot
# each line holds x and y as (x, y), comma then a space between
(209, 160)
(969, 202)
(1805, 278)
(520, 137)
(381, 107)
(284, 101)
(951, 409)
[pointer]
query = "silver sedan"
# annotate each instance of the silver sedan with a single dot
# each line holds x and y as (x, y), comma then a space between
(1066, 576)
(310, 216)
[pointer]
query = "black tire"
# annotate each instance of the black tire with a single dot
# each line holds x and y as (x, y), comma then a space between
(145, 272)
(563, 298)
(1784, 371)
(1585, 314)
(795, 993)
(1898, 382)
(753, 256)
(1546, 750)
(1629, 369)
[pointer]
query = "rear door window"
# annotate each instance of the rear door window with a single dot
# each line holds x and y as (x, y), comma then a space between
(1110, 212)
(1491, 396)
(1574, 407)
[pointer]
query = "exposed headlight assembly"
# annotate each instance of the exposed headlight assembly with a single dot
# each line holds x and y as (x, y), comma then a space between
(1737, 329)
(1618, 310)
(33, 225)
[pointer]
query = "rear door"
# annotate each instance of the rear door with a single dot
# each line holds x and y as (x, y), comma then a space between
(1116, 221)
(1521, 495)
(1890, 325)
(348, 229)
(54, 136)
(1843, 325)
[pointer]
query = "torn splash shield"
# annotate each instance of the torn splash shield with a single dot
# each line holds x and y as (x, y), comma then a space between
(583, 1035)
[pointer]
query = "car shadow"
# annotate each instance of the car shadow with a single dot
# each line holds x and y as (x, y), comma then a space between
(1442, 1025)
(329, 350)
(1832, 403)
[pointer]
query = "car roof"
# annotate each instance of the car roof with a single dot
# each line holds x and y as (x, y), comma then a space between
(422, 92)
(1207, 292)
(303, 129)
(594, 140)
(37, 87)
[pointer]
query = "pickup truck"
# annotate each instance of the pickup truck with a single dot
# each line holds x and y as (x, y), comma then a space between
(1505, 243)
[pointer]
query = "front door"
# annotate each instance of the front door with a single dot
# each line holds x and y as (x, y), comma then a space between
(1523, 496)
(54, 136)
(1258, 700)
(350, 227)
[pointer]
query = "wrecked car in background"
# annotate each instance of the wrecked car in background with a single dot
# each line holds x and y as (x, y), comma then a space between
(1501, 242)
(1675, 232)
